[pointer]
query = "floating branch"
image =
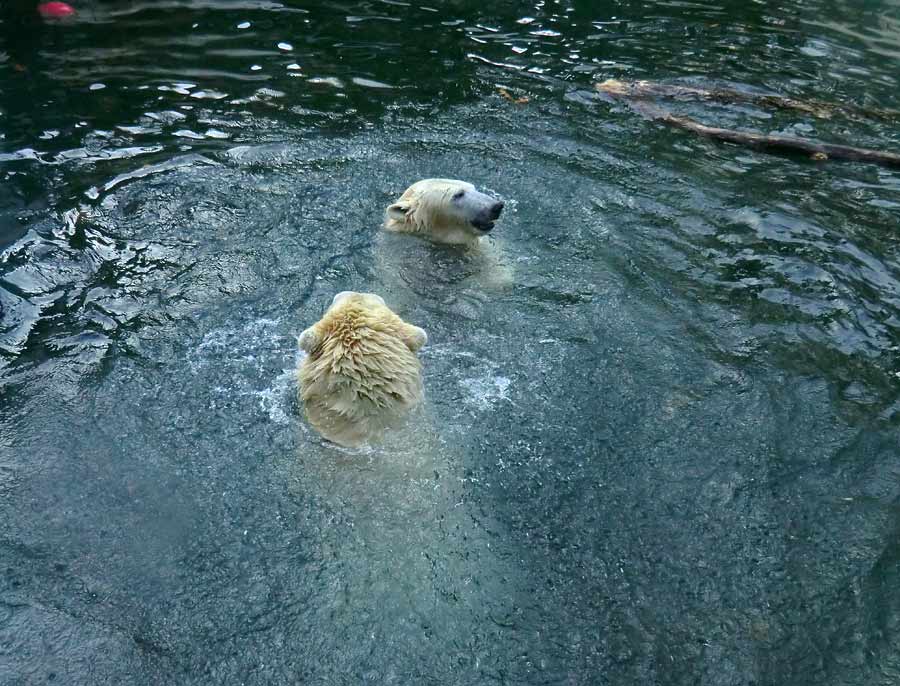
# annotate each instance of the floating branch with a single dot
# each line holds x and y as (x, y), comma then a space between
(815, 149)
(816, 108)
(509, 96)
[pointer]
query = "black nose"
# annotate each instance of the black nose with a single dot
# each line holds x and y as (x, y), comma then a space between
(496, 209)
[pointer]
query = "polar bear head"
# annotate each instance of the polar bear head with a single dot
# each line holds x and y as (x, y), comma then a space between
(350, 312)
(361, 373)
(445, 211)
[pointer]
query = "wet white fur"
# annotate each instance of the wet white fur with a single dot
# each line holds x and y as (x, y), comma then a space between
(361, 374)
(430, 208)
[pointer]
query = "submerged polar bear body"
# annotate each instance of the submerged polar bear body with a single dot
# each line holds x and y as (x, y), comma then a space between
(361, 374)
(444, 211)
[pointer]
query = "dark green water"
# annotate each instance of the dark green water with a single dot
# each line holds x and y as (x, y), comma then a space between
(667, 453)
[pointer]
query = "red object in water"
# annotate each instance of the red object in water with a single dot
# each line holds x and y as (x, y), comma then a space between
(55, 10)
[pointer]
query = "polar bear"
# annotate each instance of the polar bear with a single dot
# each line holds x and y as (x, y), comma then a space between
(361, 373)
(456, 219)
(444, 211)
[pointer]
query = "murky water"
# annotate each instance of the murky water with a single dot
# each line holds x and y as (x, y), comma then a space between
(664, 451)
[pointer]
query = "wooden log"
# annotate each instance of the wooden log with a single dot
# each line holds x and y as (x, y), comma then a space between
(815, 149)
(815, 108)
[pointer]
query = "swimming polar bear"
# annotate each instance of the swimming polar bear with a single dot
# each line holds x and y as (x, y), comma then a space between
(361, 374)
(461, 253)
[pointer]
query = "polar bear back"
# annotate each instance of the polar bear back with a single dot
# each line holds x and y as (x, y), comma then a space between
(361, 374)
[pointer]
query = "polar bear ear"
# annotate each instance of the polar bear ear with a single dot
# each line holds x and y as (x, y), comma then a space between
(415, 338)
(309, 340)
(399, 210)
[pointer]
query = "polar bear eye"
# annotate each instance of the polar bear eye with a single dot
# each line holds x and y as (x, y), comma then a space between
(459, 194)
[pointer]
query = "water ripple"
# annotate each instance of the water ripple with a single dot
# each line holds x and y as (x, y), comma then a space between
(664, 451)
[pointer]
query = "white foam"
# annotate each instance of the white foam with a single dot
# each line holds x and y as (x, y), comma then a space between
(275, 400)
(244, 356)
(485, 392)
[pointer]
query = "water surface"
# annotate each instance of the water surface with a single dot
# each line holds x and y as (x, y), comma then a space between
(665, 453)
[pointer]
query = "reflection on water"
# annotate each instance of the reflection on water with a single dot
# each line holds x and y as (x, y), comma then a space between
(665, 453)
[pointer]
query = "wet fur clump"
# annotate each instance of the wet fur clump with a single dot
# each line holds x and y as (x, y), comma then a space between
(361, 374)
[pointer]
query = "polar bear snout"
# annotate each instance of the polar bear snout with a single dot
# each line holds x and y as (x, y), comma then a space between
(478, 209)
(484, 220)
